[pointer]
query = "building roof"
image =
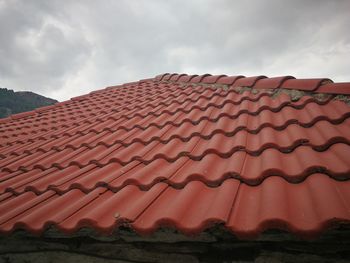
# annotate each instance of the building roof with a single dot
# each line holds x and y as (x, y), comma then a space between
(183, 151)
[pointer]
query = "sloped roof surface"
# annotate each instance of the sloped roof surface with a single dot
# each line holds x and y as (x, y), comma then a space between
(182, 151)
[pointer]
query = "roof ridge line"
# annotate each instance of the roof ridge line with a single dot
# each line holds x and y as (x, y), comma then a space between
(318, 85)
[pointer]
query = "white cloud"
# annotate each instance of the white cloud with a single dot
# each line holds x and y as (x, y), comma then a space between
(67, 50)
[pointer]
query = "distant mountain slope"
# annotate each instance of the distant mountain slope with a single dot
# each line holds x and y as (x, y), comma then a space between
(15, 102)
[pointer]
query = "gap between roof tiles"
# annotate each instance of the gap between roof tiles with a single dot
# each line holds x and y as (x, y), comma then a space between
(324, 85)
(294, 94)
(240, 172)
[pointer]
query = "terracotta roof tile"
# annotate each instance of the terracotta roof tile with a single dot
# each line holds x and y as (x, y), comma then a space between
(168, 76)
(335, 88)
(160, 77)
(247, 82)
(212, 79)
(271, 83)
(174, 77)
(180, 76)
(199, 78)
(229, 80)
(144, 153)
(186, 78)
(304, 84)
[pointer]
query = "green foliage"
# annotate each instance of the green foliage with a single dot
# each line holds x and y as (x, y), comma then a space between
(15, 102)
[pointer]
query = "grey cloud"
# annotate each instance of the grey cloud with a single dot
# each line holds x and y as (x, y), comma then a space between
(37, 49)
(67, 50)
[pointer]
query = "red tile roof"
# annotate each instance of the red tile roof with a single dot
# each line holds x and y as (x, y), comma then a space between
(183, 151)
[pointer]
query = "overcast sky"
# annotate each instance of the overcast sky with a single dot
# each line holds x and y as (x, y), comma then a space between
(62, 49)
